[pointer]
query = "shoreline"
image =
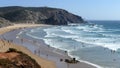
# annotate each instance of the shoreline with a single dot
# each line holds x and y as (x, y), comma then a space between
(3, 48)
(71, 56)
(81, 62)
(18, 26)
(95, 65)
(41, 61)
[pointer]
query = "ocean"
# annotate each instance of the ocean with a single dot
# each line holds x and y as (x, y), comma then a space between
(97, 42)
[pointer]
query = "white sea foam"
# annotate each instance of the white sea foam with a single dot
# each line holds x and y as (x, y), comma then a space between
(55, 45)
(49, 42)
(33, 36)
(96, 30)
(20, 33)
(90, 35)
(68, 31)
(104, 42)
(85, 33)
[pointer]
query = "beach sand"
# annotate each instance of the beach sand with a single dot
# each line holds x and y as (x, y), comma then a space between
(49, 57)
(18, 26)
(5, 45)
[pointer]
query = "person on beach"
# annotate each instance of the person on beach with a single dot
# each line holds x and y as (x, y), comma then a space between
(34, 41)
(3, 42)
(47, 55)
(11, 41)
(113, 51)
(65, 51)
(35, 52)
(48, 46)
(39, 52)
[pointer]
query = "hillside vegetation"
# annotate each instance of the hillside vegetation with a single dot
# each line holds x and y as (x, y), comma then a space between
(44, 15)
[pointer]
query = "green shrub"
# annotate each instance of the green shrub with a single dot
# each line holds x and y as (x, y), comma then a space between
(11, 50)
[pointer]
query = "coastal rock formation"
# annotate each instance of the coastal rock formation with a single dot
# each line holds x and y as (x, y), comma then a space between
(44, 15)
(17, 59)
(4, 22)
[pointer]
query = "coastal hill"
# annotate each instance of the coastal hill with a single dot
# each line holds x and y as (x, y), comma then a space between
(4, 22)
(17, 59)
(39, 15)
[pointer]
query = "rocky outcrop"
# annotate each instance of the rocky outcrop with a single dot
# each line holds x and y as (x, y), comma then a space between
(17, 59)
(44, 15)
(4, 22)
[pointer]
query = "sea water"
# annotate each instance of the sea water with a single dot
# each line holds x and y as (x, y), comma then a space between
(97, 42)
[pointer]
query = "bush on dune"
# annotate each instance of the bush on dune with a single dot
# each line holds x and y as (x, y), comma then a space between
(20, 61)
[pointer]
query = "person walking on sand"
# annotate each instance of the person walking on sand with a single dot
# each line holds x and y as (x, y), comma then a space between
(35, 52)
(47, 55)
(39, 52)
(21, 40)
(34, 41)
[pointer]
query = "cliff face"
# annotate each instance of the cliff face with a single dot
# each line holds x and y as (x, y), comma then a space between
(4, 22)
(42, 15)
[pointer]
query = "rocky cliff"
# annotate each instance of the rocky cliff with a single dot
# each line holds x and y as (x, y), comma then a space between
(4, 22)
(44, 15)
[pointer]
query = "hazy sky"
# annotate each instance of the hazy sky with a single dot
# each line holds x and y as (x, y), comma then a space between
(88, 9)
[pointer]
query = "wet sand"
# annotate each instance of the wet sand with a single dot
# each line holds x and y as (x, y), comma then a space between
(50, 57)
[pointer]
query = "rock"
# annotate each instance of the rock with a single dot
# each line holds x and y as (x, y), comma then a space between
(44, 15)
(4, 22)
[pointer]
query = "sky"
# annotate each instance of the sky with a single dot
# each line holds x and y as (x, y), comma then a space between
(88, 9)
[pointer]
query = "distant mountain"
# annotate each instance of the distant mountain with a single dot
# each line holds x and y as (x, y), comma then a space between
(44, 15)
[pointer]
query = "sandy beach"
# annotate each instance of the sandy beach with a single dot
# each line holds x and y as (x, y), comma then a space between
(18, 26)
(47, 57)
(5, 45)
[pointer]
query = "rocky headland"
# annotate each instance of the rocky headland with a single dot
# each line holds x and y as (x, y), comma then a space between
(39, 15)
